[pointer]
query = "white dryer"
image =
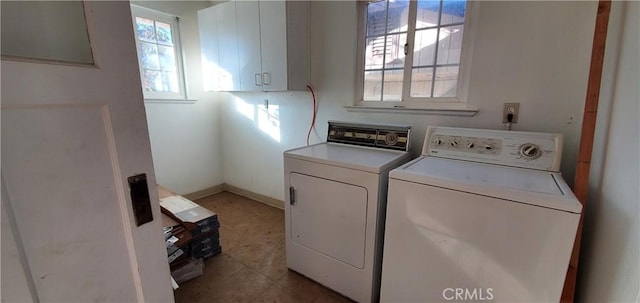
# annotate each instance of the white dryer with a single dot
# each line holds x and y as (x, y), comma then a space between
(335, 205)
(482, 215)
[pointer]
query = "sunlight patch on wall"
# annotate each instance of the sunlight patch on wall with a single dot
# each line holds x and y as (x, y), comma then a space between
(269, 120)
(265, 117)
(245, 109)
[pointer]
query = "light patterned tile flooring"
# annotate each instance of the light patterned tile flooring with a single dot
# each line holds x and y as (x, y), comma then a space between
(252, 266)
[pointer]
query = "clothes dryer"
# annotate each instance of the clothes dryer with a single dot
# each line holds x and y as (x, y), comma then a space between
(335, 205)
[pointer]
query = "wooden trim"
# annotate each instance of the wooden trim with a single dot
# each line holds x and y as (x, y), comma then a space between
(255, 196)
(205, 192)
(581, 184)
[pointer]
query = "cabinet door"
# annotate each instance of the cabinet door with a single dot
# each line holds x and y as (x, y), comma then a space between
(249, 60)
(208, 27)
(273, 31)
(228, 46)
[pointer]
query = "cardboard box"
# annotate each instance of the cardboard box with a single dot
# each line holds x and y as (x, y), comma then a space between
(206, 246)
(183, 235)
(197, 219)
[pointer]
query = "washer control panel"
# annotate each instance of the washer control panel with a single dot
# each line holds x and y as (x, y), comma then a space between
(519, 149)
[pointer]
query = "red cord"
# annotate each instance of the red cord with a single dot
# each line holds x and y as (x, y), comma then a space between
(315, 110)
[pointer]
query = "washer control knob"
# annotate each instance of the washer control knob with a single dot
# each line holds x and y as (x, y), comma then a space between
(470, 145)
(530, 151)
(453, 143)
(488, 147)
(437, 141)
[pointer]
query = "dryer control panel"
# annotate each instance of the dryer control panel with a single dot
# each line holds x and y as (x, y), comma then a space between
(394, 137)
(540, 151)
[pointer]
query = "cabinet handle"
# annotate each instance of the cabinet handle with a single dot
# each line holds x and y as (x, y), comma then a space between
(258, 79)
(292, 195)
(266, 78)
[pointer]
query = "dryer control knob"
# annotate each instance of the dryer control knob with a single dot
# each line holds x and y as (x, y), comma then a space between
(488, 147)
(437, 141)
(530, 151)
(453, 143)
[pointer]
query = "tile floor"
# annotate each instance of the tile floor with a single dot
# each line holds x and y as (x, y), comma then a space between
(252, 266)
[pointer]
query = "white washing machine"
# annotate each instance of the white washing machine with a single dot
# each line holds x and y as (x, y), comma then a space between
(482, 215)
(335, 205)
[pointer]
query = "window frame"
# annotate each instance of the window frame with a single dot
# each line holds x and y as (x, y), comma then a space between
(174, 22)
(457, 103)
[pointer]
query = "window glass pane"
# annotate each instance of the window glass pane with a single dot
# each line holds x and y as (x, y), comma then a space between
(145, 29)
(167, 58)
(372, 85)
(392, 85)
(149, 55)
(387, 17)
(164, 33)
(394, 49)
(45, 30)
(376, 18)
(398, 17)
(446, 81)
(424, 47)
(170, 82)
(374, 52)
(427, 15)
(151, 81)
(421, 82)
(450, 45)
(453, 11)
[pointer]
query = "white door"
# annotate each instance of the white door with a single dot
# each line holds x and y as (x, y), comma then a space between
(273, 32)
(248, 15)
(329, 217)
(71, 136)
(228, 45)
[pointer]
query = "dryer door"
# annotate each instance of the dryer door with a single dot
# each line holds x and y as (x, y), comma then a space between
(329, 217)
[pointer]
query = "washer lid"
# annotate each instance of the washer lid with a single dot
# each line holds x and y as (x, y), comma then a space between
(541, 188)
(362, 158)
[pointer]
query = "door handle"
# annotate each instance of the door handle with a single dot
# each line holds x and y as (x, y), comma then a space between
(258, 79)
(292, 195)
(266, 78)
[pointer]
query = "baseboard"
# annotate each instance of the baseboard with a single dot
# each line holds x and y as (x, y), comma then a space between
(255, 196)
(205, 192)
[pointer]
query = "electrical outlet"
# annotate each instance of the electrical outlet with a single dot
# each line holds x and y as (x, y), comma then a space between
(510, 108)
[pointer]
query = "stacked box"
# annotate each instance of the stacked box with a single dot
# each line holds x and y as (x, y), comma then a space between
(177, 240)
(206, 246)
(203, 225)
(196, 235)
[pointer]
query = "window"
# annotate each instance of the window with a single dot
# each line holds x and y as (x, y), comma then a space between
(159, 54)
(412, 52)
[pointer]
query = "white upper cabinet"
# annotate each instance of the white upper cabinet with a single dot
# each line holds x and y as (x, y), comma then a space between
(255, 46)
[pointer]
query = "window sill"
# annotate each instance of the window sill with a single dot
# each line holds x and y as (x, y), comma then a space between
(171, 101)
(447, 109)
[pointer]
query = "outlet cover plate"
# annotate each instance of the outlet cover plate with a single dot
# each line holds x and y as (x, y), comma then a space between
(508, 108)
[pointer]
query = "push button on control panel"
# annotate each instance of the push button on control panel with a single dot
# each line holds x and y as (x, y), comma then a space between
(464, 144)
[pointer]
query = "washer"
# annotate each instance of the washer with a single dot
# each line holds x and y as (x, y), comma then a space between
(335, 205)
(482, 215)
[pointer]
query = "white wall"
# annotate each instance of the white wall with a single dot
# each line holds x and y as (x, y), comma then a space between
(185, 136)
(535, 53)
(609, 269)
